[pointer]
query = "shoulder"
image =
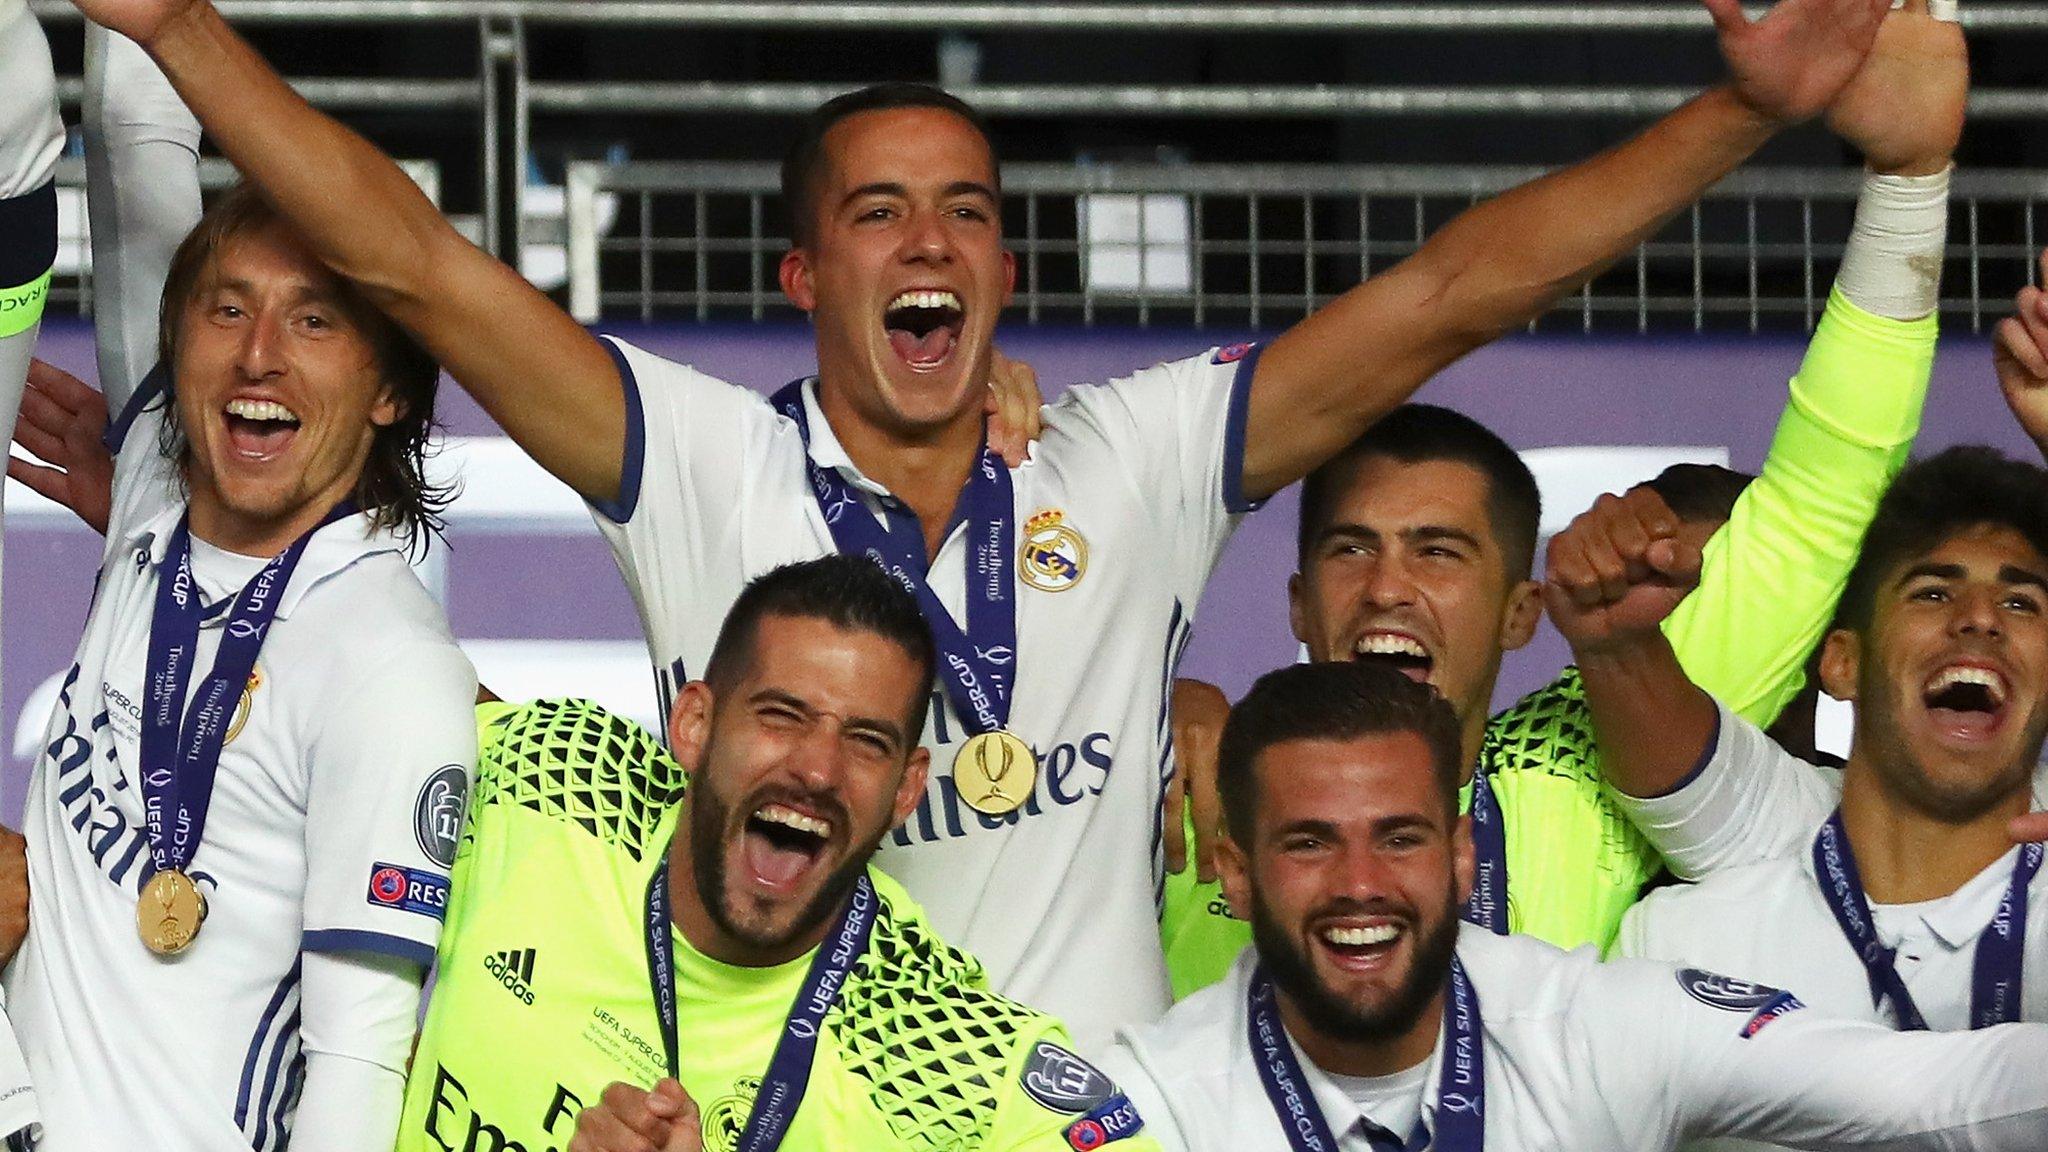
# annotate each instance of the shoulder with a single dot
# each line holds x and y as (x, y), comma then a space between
(1710, 919)
(1137, 395)
(574, 762)
(1522, 976)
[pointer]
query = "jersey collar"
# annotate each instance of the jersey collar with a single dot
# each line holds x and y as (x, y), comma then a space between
(826, 448)
(333, 549)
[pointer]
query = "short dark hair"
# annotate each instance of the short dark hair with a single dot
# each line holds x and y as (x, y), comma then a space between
(847, 592)
(393, 487)
(1932, 501)
(800, 164)
(1335, 701)
(1414, 433)
(1699, 492)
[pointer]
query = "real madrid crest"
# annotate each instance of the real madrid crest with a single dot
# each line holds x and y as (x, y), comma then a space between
(726, 1120)
(1054, 556)
(242, 709)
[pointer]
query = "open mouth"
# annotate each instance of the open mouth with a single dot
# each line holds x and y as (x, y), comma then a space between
(924, 327)
(1399, 651)
(781, 843)
(1965, 700)
(259, 429)
(1361, 945)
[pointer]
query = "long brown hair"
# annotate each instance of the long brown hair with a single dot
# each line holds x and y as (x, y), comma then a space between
(393, 487)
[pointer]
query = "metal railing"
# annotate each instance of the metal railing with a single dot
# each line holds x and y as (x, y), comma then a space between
(1257, 246)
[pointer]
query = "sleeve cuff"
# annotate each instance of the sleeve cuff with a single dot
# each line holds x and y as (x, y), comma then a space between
(1707, 753)
(620, 509)
(1233, 435)
(362, 940)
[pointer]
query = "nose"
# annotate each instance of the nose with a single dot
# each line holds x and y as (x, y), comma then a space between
(1361, 873)
(926, 240)
(1976, 613)
(262, 351)
(814, 761)
(1388, 583)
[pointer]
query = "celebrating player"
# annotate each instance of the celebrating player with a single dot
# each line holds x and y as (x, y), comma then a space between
(1416, 545)
(241, 826)
(707, 937)
(1060, 591)
(1367, 1017)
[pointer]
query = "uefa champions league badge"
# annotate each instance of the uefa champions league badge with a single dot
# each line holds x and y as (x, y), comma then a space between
(1232, 353)
(1054, 556)
(1725, 992)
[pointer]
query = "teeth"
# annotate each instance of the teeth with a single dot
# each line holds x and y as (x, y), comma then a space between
(791, 818)
(261, 410)
(921, 299)
(1354, 937)
(1949, 677)
(1389, 644)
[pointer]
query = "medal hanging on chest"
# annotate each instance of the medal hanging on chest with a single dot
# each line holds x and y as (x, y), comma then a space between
(995, 770)
(181, 743)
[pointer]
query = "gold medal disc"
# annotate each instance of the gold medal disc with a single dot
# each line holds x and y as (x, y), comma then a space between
(169, 912)
(994, 772)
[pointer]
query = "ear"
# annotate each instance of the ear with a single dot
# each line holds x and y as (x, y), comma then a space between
(388, 408)
(795, 275)
(1009, 276)
(910, 792)
(1464, 863)
(1297, 607)
(1524, 611)
(1233, 869)
(1841, 663)
(689, 725)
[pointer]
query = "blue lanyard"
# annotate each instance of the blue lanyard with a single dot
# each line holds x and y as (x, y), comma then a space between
(2001, 951)
(1488, 905)
(789, 1070)
(1461, 1075)
(181, 745)
(976, 665)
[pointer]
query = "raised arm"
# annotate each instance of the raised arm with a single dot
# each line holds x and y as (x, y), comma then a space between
(550, 384)
(1503, 262)
(2021, 357)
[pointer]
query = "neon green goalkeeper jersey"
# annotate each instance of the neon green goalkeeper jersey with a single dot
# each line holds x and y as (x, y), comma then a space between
(1766, 594)
(544, 998)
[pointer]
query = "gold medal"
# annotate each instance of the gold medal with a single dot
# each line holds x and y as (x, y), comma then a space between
(994, 772)
(169, 912)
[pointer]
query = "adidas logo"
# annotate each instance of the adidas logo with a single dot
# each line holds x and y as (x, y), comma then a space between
(514, 969)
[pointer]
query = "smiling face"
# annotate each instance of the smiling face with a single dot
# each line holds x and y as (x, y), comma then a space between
(1407, 571)
(904, 271)
(1951, 678)
(278, 390)
(1352, 879)
(797, 772)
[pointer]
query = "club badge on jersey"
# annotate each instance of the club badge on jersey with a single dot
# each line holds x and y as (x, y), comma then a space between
(995, 769)
(1460, 1089)
(181, 745)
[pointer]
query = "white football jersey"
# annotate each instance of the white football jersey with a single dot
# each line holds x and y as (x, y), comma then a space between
(31, 134)
(1630, 1056)
(1121, 512)
(334, 820)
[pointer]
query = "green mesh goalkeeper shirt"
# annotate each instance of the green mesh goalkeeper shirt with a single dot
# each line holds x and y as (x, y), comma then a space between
(543, 996)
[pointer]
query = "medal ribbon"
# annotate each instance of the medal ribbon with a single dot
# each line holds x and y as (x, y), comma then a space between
(1488, 905)
(976, 666)
(1996, 968)
(181, 745)
(789, 1070)
(1460, 1088)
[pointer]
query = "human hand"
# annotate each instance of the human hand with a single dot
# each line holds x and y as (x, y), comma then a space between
(1619, 569)
(1904, 109)
(2019, 352)
(1199, 711)
(1012, 408)
(62, 420)
(13, 893)
(1796, 60)
(632, 1119)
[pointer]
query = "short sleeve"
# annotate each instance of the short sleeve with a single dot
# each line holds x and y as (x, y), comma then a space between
(1056, 1102)
(1749, 800)
(1177, 431)
(389, 787)
(145, 483)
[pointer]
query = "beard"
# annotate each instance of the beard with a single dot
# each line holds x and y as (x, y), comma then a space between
(1395, 1013)
(710, 815)
(1913, 784)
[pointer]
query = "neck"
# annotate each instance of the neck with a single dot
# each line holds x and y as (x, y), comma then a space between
(1347, 1057)
(925, 469)
(703, 931)
(1473, 720)
(1906, 856)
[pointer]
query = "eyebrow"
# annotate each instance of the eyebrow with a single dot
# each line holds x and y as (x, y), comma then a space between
(2014, 574)
(890, 188)
(1421, 533)
(307, 293)
(2007, 574)
(887, 729)
(1328, 828)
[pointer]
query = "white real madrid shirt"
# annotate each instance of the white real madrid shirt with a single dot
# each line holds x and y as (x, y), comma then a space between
(1127, 500)
(334, 819)
(1630, 1056)
(1770, 922)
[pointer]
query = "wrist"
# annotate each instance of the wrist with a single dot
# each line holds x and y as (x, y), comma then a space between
(1755, 122)
(1892, 264)
(189, 23)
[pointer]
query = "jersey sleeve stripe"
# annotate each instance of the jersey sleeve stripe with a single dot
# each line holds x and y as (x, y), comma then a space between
(620, 510)
(149, 391)
(358, 940)
(1234, 432)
